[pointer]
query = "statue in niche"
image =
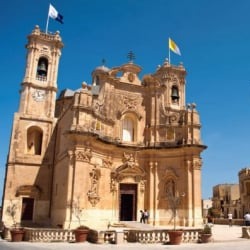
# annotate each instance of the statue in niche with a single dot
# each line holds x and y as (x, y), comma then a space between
(170, 188)
(95, 174)
(93, 194)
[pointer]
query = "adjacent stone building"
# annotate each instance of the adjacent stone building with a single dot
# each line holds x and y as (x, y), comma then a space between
(109, 149)
(244, 181)
(226, 200)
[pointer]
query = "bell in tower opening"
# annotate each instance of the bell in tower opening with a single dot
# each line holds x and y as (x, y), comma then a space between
(42, 69)
(175, 94)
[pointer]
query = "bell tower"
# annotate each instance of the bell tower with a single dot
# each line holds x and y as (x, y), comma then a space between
(39, 86)
(29, 164)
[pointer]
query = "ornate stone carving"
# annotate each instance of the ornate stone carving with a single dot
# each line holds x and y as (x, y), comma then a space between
(172, 117)
(129, 169)
(107, 162)
(99, 107)
(104, 109)
(85, 155)
(129, 160)
(93, 193)
(142, 186)
(131, 77)
(113, 186)
(197, 163)
(130, 103)
(170, 77)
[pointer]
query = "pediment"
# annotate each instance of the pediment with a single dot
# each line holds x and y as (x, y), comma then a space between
(128, 170)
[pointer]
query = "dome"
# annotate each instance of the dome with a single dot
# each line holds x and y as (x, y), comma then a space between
(102, 68)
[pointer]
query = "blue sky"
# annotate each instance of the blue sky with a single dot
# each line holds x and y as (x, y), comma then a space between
(214, 39)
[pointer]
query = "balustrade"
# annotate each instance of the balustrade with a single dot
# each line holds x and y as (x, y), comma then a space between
(49, 235)
(109, 236)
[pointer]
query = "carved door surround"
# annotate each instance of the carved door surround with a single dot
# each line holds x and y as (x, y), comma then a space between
(131, 170)
(129, 180)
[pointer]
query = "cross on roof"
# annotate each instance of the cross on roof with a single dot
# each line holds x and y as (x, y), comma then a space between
(131, 56)
(103, 61)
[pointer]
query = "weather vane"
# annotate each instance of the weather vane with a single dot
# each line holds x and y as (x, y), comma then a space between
(131, 56)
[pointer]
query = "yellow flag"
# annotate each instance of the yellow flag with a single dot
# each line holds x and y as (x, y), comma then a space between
(174, 47)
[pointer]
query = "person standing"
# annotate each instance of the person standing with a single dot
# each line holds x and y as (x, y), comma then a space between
(146, 215)
(230, 219)
(142, 219)
(247, 219)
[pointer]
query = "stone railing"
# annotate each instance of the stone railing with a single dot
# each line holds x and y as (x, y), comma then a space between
(159, 236)
(109, 236)
(48, 235)
(106, 236)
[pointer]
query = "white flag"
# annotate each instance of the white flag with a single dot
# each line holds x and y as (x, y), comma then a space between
(53, 13)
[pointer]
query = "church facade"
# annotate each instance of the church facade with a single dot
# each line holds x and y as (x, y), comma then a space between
(103, 152)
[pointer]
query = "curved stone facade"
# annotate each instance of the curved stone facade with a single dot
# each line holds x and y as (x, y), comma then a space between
(106, 150)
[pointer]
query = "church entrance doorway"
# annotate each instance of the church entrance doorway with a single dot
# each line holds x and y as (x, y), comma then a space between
(128, 202)
(27, 209)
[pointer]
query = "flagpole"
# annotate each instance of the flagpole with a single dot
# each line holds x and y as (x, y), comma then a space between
(47, 24)
(169, 52)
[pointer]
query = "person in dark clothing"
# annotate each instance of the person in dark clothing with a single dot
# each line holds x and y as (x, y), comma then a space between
(142, 219)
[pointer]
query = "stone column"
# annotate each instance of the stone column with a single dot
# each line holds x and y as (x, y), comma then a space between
(71, 180)
(156, 181)
(189, 194)
(151, 192)
(197, 215)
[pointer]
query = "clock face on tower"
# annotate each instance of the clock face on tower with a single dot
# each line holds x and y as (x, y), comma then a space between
(39, 95)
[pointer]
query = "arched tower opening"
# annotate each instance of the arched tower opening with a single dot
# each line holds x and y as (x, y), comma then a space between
(34, 140)
(42, 69)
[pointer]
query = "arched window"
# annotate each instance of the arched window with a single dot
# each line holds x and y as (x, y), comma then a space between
(96, 81)
(34, 141)
(128, 129)
(175, 94)
(42, 69)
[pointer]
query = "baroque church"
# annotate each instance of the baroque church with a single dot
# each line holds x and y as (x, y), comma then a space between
(107, 150)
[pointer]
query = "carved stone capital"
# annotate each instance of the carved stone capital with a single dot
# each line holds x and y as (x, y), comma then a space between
(107, 162)
(197, 163)
(84, 155)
